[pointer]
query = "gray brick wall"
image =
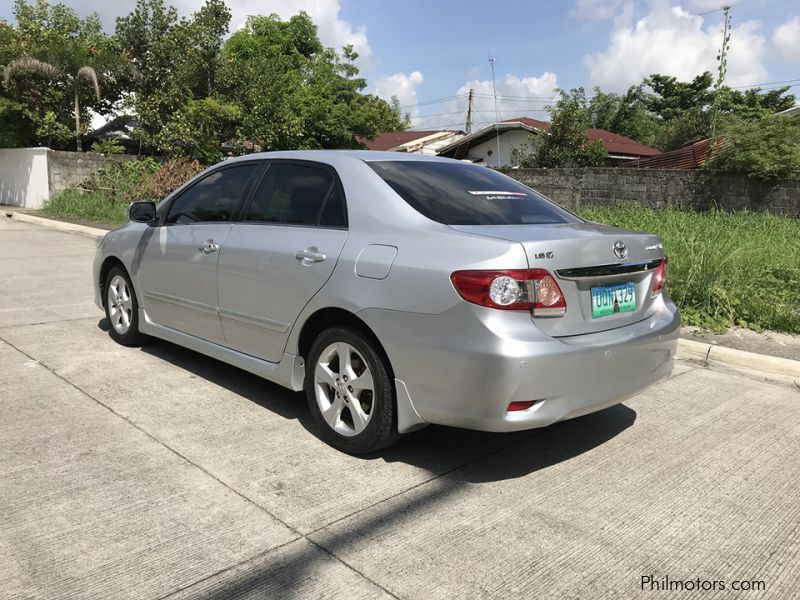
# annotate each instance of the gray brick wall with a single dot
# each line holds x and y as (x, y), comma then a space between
(698, 190)
(69, 169)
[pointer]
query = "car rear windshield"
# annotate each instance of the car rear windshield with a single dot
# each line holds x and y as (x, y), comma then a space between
(463, 194)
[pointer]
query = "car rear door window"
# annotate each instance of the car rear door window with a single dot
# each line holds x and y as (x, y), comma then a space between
(297, 194)
(212, 199)
(463, 194)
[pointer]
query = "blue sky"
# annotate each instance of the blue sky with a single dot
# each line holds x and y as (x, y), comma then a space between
(423, 51)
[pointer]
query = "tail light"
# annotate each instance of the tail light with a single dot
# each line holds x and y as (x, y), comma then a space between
(522, 289)
(660, 277)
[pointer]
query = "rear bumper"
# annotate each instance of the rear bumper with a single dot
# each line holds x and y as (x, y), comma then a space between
(464, 366)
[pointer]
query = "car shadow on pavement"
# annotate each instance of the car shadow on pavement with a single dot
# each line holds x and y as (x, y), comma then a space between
(457, 460)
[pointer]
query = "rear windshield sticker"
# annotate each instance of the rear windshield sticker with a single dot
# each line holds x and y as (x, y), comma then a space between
(498, 195)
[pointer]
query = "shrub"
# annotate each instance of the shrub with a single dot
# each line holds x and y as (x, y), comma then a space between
(121, 181)
(169, 177)
(107, 147)
(765, 149)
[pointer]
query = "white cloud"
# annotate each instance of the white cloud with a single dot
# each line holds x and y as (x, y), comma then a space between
(786, 39)
(672, 41)
(517, 97)
(401, 85)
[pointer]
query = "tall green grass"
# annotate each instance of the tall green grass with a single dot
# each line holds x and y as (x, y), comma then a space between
(725, 268)
(94, 206)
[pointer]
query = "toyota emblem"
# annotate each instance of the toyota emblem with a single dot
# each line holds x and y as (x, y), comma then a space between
(620, 250)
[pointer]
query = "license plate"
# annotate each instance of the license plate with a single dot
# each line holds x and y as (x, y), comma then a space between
(615, 298)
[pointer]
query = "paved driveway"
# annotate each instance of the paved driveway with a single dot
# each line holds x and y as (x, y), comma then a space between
(157, 472)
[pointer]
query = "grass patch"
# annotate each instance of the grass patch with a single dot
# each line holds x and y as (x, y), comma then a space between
(725, 268)
(92, 206)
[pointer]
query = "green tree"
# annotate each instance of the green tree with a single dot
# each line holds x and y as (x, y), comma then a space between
(198, 130)
(670, 98)
(624, 114)
(294, 92)
(46, 70)
(48, 61)
(765, 149)
(565, 143)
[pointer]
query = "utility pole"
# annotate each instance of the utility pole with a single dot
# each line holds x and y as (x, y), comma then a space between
(496, 112)
(469, 111)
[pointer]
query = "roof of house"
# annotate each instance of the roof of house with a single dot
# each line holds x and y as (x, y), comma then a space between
(619, 144)
(615, 144)
(393, 139)
(691, 156)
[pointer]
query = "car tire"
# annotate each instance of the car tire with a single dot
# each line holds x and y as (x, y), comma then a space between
(350, 392)
(122, 308)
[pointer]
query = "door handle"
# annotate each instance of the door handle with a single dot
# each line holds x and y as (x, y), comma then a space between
(209, 247)
(310, 255)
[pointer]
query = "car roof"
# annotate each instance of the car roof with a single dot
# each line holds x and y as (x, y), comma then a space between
(333, 156)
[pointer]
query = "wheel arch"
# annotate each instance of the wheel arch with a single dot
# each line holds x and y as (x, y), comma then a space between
(109, 263)
(407, 417)
(325, 318)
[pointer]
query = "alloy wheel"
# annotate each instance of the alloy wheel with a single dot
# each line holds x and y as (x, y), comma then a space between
(120, 304)
(344, 389)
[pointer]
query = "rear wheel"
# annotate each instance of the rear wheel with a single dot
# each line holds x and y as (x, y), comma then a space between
(122, 309)
(350, 392)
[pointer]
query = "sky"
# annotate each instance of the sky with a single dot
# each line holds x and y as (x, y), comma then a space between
(430, 53)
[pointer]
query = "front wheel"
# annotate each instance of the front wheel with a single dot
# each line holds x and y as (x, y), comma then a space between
(350, 392)
(122, 309)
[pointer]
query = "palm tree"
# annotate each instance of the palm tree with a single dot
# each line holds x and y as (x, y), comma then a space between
(33, 65)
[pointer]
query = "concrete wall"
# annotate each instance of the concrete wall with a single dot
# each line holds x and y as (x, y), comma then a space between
(30, 176)
(23, 177)
(69, 169)
(698, 190)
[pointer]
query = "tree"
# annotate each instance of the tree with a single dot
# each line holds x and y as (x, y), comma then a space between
(764, 149)
(624, 114)
(670, 98)
(48, 59)
(158, 45)
(294, 92)
(198, 130)
(565, 143)
(46, 70)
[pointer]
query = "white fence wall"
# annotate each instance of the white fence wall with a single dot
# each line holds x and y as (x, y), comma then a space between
(24, 179)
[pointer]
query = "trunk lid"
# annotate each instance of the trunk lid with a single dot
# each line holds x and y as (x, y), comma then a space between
(581, 256)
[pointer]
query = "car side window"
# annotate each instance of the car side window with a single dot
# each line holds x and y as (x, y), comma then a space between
(212, 199)
(294, 194)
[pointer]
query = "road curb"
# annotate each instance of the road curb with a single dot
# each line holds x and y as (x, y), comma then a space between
(58, 225)
(737, 359)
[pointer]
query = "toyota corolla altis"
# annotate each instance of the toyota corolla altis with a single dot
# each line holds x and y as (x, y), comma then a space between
(396, 290)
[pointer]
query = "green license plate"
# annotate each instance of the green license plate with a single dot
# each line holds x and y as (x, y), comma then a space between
(615, 298)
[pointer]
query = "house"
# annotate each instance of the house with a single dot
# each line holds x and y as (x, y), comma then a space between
(414, 142)
(691, 156)
(791, 112)
(482, 146)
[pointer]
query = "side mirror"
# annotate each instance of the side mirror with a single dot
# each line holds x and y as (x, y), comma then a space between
(142, 212)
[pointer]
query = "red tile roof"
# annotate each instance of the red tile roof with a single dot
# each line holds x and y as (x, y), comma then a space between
(393, 139)
(689, 157)
(619, 144)
(529, 122)
(614, 143)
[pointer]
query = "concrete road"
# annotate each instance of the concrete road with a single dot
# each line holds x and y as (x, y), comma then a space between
(156, 472)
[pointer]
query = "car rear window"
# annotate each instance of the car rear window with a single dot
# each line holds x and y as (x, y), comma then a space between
(463, 194)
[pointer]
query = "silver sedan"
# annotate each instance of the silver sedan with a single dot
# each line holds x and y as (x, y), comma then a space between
(396, 290)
